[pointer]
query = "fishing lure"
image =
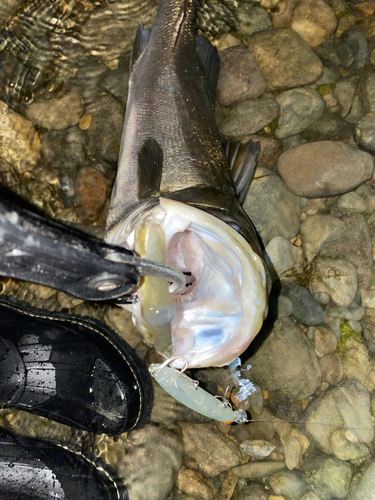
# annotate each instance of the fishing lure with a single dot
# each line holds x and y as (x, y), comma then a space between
(187, 391)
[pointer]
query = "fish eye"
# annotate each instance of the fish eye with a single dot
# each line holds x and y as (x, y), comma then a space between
(235, 226)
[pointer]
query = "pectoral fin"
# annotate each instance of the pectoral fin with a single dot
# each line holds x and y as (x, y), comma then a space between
(150, 169)
(242, 161)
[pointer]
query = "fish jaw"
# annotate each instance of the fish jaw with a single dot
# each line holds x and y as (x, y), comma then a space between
(225, 301)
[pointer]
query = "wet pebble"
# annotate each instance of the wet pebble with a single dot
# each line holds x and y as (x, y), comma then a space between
(280, 216)
(253, 491)
(67, 190)
(56, 113)
(283, 259)
(306, 310)
(318, 230)
(91, 191)
(193, 484)
(65, 149)
(286, 360)
(332, 369)
(331, 479)
(253, 19)
(325, 341)
(240, 77)
(257, 470)
(346, 406)
(248, 117)
(365, 132)
(353, 312)
(257, 448)
(105, 128)
(353, 50)
(365, 489)
(329, 127)
(324, 168)
(314, 21)
(368, 299)
(346, 446)
(299, 108)
(213, 451)
(355, 246)
(289, 483)
(20, 144)
(368, 323)
(346, 92)
(337, 277)
(285, 59)
(280, 306)
(351, 203)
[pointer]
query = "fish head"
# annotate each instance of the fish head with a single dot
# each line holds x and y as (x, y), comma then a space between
(223, 304)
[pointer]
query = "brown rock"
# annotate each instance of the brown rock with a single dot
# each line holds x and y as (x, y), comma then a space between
(240, 77)
(314, 21)
(121, 321)
(285, 59)
(56, 113)
(332, 369)
(325, 340)
(19, 141)
(91, 190)
(368, 323)
(192, 483)
(324, 168)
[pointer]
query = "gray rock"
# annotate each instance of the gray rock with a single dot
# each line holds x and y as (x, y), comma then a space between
(283, 258)
(355, 246)
(365, 489)
(353, 50)
(337, 277)
(344, 407)
(317, 231)
(56, 113)
(299, 109)
(346, 92)
(273, 209)
(285, 361)
(289, 483)
(329, 76)
(293, 142)
(240, 77)
(351, 203)
(325, 341)
(368, 299)
(213, 451)
(324, 168)
(253, 19)
(152, 479)
(248, 117)
(285, 59)
(346, 446)
(257, 448)
(67, 190)
(310, 496)
(280, 306)
(329, 127)
(370, 91)
(327, 53)
(306, 310)
(314, 21)
(353, 312)
(368, 323)
(105, 128)
(331, 479)
(256, 470)
(252, 491)
(65, 149)
(365, 132)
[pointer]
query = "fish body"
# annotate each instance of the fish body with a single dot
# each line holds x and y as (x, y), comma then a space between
(175, 200)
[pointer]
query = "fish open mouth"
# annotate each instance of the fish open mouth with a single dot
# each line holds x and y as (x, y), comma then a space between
(215, 316)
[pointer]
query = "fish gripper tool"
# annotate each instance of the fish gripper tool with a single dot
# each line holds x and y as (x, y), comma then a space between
(46, 252)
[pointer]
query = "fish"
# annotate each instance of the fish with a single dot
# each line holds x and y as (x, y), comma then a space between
(177, 199)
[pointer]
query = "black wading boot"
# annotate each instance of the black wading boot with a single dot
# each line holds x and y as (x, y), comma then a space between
(33, 469)
(74, 370)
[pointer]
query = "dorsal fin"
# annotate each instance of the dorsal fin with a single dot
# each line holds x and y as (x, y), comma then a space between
(242, 161)
(210, 62)
(140, 41)
(150, 169)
